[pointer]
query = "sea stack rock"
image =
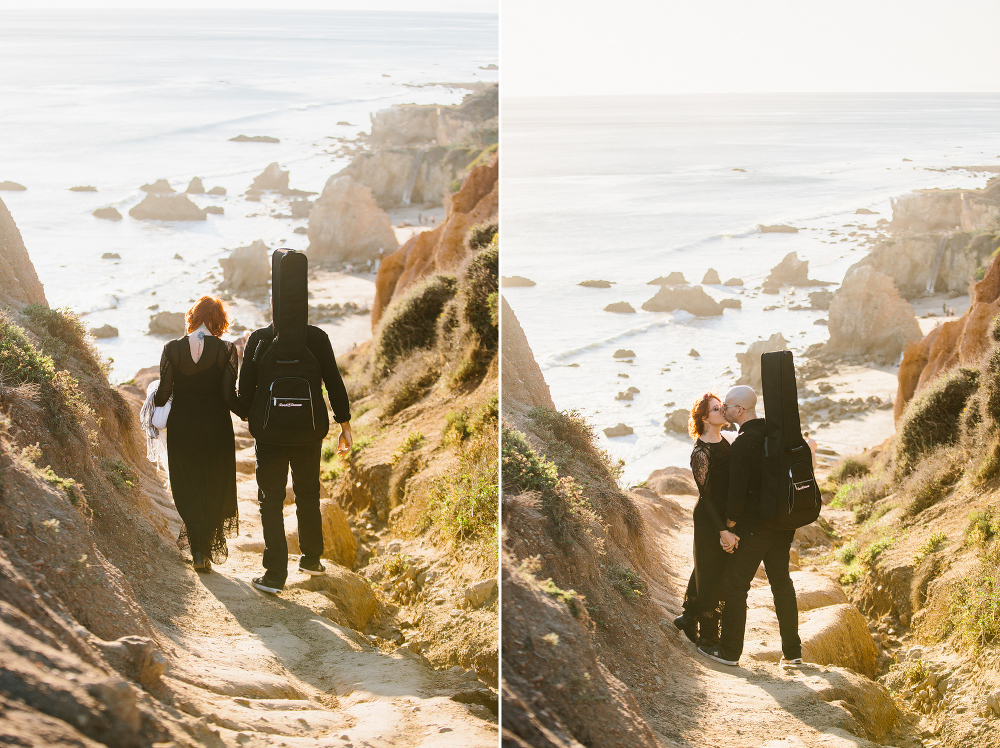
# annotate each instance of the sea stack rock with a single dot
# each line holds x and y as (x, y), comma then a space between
(620, 430)
(104, 331)
(195, 187)
(620, 307)
(692, 299)
(159, 187)
(108, 214)
(12, 187)
(711, 278)
(247, 269)
(346, 224)
(790, 271)
(167, 323)
(674, 279)
(595, 284)
(160, 207)
(868, 318)
(514, 281)
(750, 361)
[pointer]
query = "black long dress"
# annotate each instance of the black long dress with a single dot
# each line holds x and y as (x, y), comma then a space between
(703, 600)
(201, 447)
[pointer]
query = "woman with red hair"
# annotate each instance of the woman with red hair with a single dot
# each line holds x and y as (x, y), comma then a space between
(712, 540)
(199, 371)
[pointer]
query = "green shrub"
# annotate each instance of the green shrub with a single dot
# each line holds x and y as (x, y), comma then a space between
(848, 469)
(839, 500)
(932, 418)
(410, 443)
(627, 581)
(847, 552)
(523, 469)
(870, 555)
(974, 608)
(481, 235)
(410, 323)
(931, 481)
(567, 597)
(479, 282)
(63, 336)
(983, 526)
(20, 361)
(929, 546)
(121, 475)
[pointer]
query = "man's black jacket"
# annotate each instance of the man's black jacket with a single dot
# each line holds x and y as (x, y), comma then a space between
(318, 343)
(745, 461)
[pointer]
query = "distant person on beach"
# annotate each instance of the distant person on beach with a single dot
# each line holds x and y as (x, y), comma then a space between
(757, 542)
(199, 370)
(712, 539)
(274, 461)
(812, 446)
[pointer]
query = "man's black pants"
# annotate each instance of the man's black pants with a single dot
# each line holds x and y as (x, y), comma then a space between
(770, 546)
(273, 462)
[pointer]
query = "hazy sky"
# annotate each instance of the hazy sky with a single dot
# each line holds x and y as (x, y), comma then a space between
(557, 47)
(449, 6)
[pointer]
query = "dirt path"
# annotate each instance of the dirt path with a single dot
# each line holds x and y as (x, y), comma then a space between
(266, 670)
(758, 703)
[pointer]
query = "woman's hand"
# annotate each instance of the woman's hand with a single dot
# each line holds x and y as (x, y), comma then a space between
(728, 541)
(346, 441)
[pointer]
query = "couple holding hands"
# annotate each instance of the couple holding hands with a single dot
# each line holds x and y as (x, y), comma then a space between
(279, 390)
(730, 538)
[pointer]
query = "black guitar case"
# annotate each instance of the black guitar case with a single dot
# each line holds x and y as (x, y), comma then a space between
(789, 495)
(288, 407)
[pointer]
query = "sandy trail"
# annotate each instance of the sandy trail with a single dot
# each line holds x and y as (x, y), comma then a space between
(756, 704)
(267, 670)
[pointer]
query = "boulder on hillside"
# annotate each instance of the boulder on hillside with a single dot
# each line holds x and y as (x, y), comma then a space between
(160, 207)
(107, 214)
(672, 481)
(868, 319)
(515, 281)
(791, 271)
(195, 186)
(346, 224)
(159, 187)
(247, 270)
(711, 278)
(838, 635)
(339, 544)
(167, 323)
(750, 361)
(691, 299)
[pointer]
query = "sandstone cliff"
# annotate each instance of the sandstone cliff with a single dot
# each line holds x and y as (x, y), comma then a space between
(346, 225)
(19, 284)
(445, 247)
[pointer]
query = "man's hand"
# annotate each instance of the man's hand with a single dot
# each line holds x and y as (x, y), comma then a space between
(729, 541)
(346, 441)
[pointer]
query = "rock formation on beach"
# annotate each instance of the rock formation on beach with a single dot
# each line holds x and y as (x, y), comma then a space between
(104, 331)
(167, 323)
(674, 279)
(790, 271)
(162, 207)
(953, 343)
(83, 188)
(444, 248)
(595, 284)
(12, 187)
(195, 186)
(711, 278)
(254, 139)
(692, 299)
(620, 307)
(869, 320)
(247, 270)
(516, 281)
(159, 187)
(107, 214)
(750, 361)
(346, 224)
(418, 154)
(778, 229)
(621, 429)
(272, 179)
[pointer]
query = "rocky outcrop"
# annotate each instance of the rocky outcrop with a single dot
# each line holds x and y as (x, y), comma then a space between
(346, 224)
(620, 430)
(160, 207)
(515, 281)
(869, 320)
(167, 323)
(790, 271)
(247, 270)
(956, 342)
(620, 307)
(12, 187)
(442, 125)
(272, 179)
(838, 635)
(444, 248)
(924, 211)
(254, 139)
(692, 299)
(195, 186)
(523, 383)
(672, 481)
(19, 284)
(159, 187)
(104, 331)
(410, 176)
(750, 361)
(108, 214)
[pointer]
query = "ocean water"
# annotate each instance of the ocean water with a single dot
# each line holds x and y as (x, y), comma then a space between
(117, 99)
(626, 189)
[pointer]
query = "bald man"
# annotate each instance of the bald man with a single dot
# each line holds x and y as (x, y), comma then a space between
(756, 542)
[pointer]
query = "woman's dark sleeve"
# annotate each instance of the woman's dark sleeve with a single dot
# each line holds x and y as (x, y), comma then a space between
(700, 466)
(230, 363)
(166, 386)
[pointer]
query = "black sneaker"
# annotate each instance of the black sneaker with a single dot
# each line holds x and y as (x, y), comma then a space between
(201, 562)
(788, 664)
(689, 625)
(715, 654)
(266, 584)
(311, 567)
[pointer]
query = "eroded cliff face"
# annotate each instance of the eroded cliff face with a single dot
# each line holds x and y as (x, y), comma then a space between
(444, 248)
(939, 239)
(19, 284)
(416, 154)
